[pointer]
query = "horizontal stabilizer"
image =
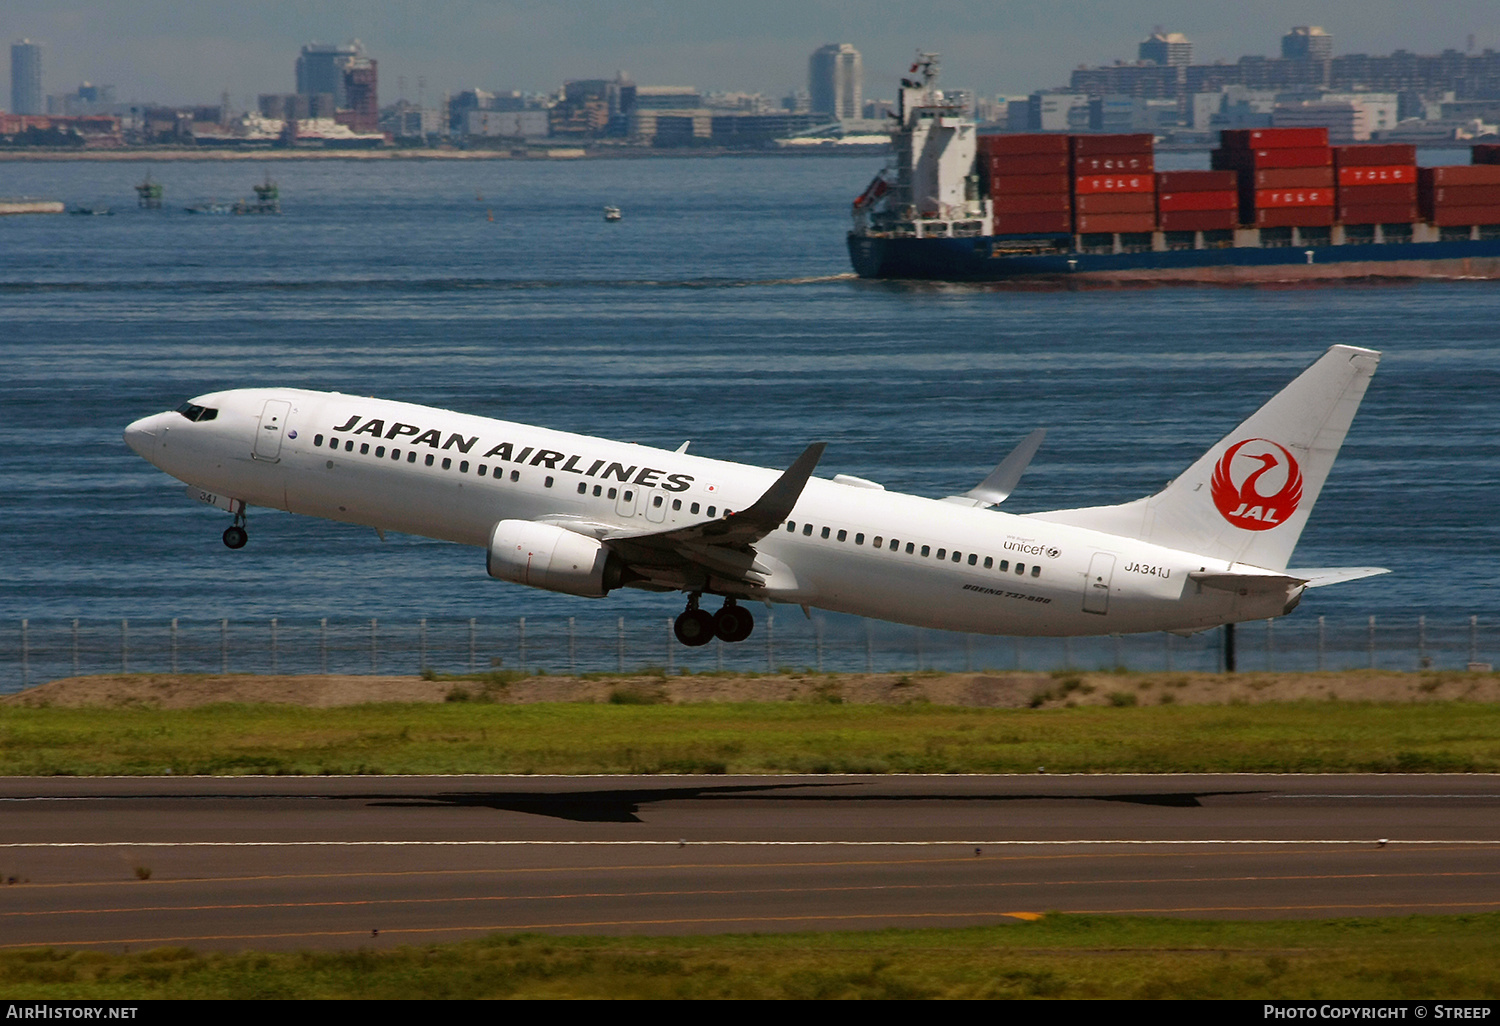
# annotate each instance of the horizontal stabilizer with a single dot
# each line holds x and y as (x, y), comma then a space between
(1318, 576)
(996, 488)
(1245, 584)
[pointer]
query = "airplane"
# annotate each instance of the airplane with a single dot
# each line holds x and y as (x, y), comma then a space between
(584, 516)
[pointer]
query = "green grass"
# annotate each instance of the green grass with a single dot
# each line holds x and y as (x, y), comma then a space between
(633, 734)
(1420, 957)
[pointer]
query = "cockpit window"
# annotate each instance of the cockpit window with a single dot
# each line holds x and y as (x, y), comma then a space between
(197, 413)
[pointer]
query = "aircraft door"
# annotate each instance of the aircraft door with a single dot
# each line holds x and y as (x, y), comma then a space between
(656, 505)
(1096, 585)
(625, 504)
(271, 430)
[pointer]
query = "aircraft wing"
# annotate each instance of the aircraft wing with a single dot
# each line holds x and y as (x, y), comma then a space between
(719, 551)
(1001, 481)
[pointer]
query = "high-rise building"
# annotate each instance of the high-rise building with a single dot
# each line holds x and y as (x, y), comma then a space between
(1307, 42)
(835, 81)
(26, 78)
(321, 67)
(1163, 47)
(361, 98)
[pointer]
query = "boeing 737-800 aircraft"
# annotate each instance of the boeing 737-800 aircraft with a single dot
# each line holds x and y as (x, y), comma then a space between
(584, 516)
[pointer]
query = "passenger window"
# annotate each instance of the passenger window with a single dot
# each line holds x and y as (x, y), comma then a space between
(973, 559)
(859, 539)
(1020, 568)
(926, 551)
(582, 488)
(430, 459)
(843, 535)
(349, 446)
(895, 545)
(791, 525)
(613, 493)
(693, 509)
(598, 491)
(656, 501)
(1004, 565)
(957, 556)
(989, 562)
(807, 530)
(447, 463)
(380, 451)
(910, 548)
(515, 475)
(711, 511)
(483, 470)
(629, 495)
(547, 483)
(878, 542)
(364, 448)
(463, 468)
(411, 457)
(942, 554)
(317, 439)
(825, 532)
(676, 505)
(1036, 570)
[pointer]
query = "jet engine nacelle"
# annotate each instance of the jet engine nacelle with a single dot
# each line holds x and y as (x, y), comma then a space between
(543, 556)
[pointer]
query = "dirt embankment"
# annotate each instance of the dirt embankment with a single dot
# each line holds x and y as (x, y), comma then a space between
(994, 690)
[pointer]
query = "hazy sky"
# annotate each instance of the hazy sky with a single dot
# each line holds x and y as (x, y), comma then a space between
(176, 51)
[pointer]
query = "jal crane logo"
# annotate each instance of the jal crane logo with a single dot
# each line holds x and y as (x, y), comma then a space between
(1245, 505)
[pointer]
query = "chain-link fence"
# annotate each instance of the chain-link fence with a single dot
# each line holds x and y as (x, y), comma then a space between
(34, 651)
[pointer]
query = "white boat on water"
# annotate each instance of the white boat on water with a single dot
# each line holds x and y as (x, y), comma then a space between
(612, 213)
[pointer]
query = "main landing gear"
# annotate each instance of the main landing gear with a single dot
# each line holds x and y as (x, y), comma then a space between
(235, 535)
(697, 626)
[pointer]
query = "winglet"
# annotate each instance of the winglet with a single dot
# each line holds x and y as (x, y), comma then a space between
(1001, 481)
(776, 504)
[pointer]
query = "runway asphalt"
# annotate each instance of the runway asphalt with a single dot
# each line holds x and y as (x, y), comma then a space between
(345, 862)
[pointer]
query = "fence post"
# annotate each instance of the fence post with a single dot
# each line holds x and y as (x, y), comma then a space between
(521, 642)
(124, 645)
(1067, 653)
(1015, 649)
(75, 646)
(1473, 639)
(572, 647)
(869, 648)
(174, 643)
(1422, 661)
(472, 664)
(374, 652)
(1168, 640)
(421, 645)
(818, 633)
(1370, 643)
(275, 651)
(25, 654)
(323, 644)
(224, 646)
(1118, 664)
(920, 653)
(968, 653)
(620, 628)
(719, 653)
(1270, 646)
(770, 645)
(1320, 644)
(671, 656)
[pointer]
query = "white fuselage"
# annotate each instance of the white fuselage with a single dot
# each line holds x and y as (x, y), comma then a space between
(851, 548)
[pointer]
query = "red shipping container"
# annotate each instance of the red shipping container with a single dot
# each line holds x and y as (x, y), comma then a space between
(1023, 143)
(1299, 217)
(1031, 224)
(1199, 181)
(1091, 223)
(1033, 203)
(1463, 196)
(1198, 220)
(1377, 213)
(1293, 198)
(1389, 174)
(1291, 178)
(1255, 160)
(1273, 138)
(1448, 217)
(1031, 164)
(1097, 145)
(1374, 155)
(1114, 183)
(1013, 185)
(1226, 200)
(1113, 163)
(1115, 203)
(1367, 194)
(1459, 174)
(1485, 153)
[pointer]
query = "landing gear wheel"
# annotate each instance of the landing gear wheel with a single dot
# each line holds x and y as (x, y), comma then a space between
(733, 623)
(694, 627)
(235, 537)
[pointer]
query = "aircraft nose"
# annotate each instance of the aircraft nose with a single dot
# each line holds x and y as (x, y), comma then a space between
(141, 436)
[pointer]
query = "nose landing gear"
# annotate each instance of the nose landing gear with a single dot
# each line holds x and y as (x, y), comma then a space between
(235, 536)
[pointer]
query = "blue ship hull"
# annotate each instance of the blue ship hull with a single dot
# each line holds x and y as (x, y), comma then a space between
(988, 258)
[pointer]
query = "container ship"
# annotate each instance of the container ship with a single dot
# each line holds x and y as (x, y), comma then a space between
(1280, 204)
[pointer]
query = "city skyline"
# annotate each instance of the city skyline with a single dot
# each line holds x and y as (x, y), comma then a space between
(170, 51)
